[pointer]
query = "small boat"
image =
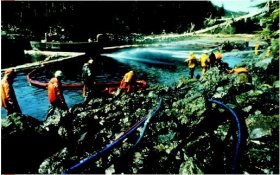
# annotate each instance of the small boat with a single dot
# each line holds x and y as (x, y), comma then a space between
(101, 87)
(54, 42)
(63, 46)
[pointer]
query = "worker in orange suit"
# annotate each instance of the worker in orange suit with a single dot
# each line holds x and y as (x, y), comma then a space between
(128, 82)
(55, 93)
(8, 97)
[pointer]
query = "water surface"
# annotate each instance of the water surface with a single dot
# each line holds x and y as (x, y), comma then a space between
(164, 64)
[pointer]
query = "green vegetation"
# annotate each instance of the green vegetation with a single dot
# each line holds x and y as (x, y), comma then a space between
(269, 21)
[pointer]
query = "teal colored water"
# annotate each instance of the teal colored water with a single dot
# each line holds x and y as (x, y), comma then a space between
(166, 64)
(34, 101)
(163, 64)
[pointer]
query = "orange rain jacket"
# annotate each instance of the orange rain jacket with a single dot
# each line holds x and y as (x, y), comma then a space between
(8, 97)
(55, 92)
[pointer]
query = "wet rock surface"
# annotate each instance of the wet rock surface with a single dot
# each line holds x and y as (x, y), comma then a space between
(188, 134)
(25, 144)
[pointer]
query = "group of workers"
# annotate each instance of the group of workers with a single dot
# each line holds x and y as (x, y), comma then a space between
(213, 60)
(55, 91)
(205, 61)
(127, 84)
(9, 100)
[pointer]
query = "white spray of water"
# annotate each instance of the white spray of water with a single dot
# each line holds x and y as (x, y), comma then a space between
(156, 61)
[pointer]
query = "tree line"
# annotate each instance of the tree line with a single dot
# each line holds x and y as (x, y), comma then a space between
(122, 17)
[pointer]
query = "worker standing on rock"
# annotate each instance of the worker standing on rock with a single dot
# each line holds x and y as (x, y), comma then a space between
(268, 52)
(88, 80)
(55, 93)
(8, 97)
(212, 58)
(128, 82)
(218, 56)
(204, 61)
(246, 43)
(191, 61)
(257, 48)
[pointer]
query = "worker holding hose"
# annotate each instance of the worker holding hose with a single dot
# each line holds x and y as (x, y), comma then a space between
(128, 82)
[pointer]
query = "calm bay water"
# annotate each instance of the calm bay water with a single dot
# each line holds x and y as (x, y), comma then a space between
(163, 65)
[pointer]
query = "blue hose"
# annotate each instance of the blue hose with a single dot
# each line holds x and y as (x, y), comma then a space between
(149, 116)
(237, 147)
(128, 132)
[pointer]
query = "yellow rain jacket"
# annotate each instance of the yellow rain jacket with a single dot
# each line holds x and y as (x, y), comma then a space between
(127, 79)
(204, 59)
(257, 48)
(240, 70)
(128, 76)
(268, 52)
(191, 61)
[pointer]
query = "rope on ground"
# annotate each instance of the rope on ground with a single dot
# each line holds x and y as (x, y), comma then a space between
(114, 143)
(237, 146)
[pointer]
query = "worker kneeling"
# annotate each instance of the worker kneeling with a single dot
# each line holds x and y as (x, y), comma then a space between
(242, 74)
(128, 82)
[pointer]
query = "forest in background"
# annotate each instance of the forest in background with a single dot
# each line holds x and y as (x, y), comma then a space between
(88, 18)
